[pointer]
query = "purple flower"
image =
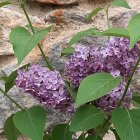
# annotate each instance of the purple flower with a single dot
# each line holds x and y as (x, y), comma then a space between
(115, 58)
(46, 86)
(83, 62)
(109, 102)
(118, 59)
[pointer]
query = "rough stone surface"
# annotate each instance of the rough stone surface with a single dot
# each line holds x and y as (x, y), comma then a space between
(67, 20)
(10, 19)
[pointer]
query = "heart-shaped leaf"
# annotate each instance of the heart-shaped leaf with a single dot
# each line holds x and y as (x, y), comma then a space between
(95, 86)
(85, 118)
(61, 132)
(10, 130)
(31, 122)
(134, 30)
(93, 13)
(23, 42)
(121, 3)
(127, 123)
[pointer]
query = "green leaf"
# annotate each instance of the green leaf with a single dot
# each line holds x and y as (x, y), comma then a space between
(10, 80)
(81, 35)
(23, 42)
(67, 51)
(31, 122)
(4, 3)
(85, 118)
(93, 13)
(10, 130)
(120, 32)
(121, 3)
(93, 137)
(116, 135)
(134, 30)
(127, 123)
(19, 36)
(95, 86)
(61, 132)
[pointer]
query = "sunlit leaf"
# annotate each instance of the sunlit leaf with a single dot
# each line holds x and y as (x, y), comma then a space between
(95, 86)
(23, 42)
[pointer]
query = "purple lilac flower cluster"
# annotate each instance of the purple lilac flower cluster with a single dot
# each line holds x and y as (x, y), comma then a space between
(83, 62)
(118, 59)
(114, 58)
(46, 86)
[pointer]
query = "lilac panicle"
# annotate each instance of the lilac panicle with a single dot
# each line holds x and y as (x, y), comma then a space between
(46, 86)
(115, 58)
(118, 59)
(83, 62)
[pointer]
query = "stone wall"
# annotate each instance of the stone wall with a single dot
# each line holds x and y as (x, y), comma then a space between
(67, 18)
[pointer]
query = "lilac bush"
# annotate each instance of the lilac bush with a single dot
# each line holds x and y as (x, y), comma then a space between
(94, 88)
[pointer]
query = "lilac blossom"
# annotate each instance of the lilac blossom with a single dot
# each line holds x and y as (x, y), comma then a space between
(115, 58)
(83, 62)
(46, 86)
(118, 59)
